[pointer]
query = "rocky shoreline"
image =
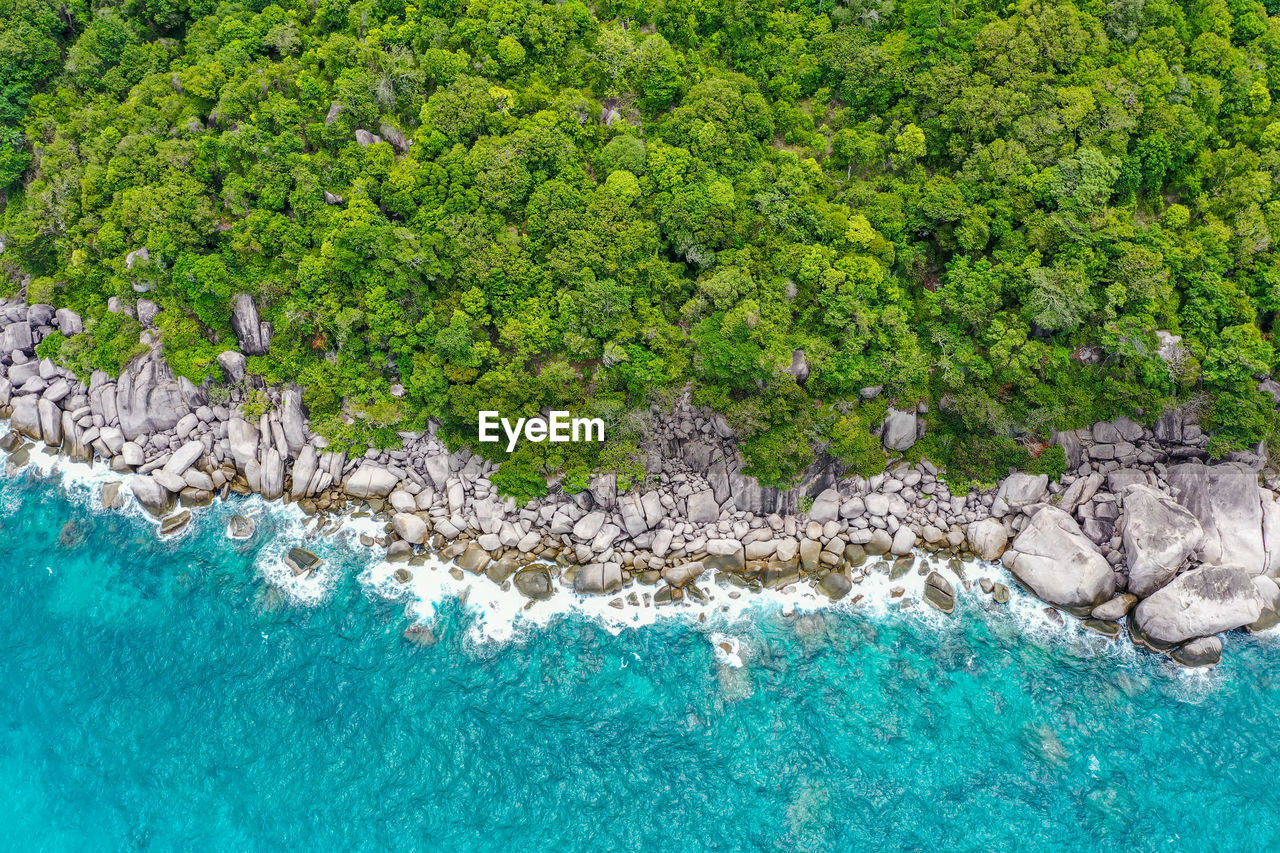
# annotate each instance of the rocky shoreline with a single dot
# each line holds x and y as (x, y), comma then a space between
(1139, 536)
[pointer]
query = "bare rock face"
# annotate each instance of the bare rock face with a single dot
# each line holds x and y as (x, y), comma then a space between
(1200, 603)
(1159, 538)
(148, 398)
(253, 334)
(365, 138)
(232, 363)
(1058, 563)
(1226, 501)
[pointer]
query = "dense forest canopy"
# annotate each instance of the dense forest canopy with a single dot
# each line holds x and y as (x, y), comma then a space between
(987, 208)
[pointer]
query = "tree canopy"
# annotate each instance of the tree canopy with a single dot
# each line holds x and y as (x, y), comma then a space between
(987, 208)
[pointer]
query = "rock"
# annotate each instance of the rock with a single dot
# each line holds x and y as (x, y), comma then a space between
(68, 321)
(879, 543)
(301, 561)
(903, 541)
(1225, 500)
(501, 569)
(682, 574)
(243, 438)
(292, 419)
(1159, 538)
(110, 495)
(939, 593)
(1199, 603)
(900, 429)
(364, 138)
(148, 398)
(1019, 490)
(1204, 651)
(1110, 630)
(799, 366)
(253, 334)
(410, 528)
(173, 523)
(987, 538)
(810, 552)
(1059, 564)
(233, 364)
(473, 559)
(271, 475)
(50, 422)
(598, 579)
(702, 507)
(395, 136)
(1000, 593)
(154, 497)
(25, 417)
(171, 482)
(370, 481)
(1116, 608)
(131, 454)
(184, 457)
(534, 582)
(834, 585)
(419, 635)
(826, 507)
(136, 256)
(241, 527)
(589, 526)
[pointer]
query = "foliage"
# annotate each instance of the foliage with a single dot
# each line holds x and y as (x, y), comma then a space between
(990, 209)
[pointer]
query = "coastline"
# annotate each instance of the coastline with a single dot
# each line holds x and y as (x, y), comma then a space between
(1138, 516)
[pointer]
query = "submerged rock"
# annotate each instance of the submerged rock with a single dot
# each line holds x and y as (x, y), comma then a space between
(241, 527)
(300, 560)
(1206, 651)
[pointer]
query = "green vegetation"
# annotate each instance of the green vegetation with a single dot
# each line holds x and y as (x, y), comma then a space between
(988, 208)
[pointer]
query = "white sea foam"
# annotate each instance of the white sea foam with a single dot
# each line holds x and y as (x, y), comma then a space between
(501, 615)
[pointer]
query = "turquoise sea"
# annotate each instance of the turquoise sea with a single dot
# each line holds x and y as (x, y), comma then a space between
(156, 696)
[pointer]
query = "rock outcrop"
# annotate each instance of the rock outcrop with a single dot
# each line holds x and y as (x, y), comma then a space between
(1225, 501)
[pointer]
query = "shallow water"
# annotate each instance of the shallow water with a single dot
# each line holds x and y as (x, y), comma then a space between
(158, 695)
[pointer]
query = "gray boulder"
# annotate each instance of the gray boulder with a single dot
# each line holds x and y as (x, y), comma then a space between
(1159, 538)
(826, 507)
(702, 507)
(232, 363)
(1226, 501)
(1200, 603)
(243, 438)
(1058, 563)
(253, 334)
(154, 497)
(987, 538)
(26, 416)
(1019, 490)
(370, 481)
(184, 457)
(598, 579)
(899, 431)
(410, 528)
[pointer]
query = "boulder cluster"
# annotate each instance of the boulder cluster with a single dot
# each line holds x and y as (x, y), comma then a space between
(1140, 529)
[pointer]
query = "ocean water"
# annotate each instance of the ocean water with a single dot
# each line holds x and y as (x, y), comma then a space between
(160, 695)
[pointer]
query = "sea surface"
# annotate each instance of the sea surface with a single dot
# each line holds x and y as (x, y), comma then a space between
(162, 695)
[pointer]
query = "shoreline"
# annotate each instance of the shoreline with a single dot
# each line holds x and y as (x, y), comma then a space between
(500, 614)
(1138, 517)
